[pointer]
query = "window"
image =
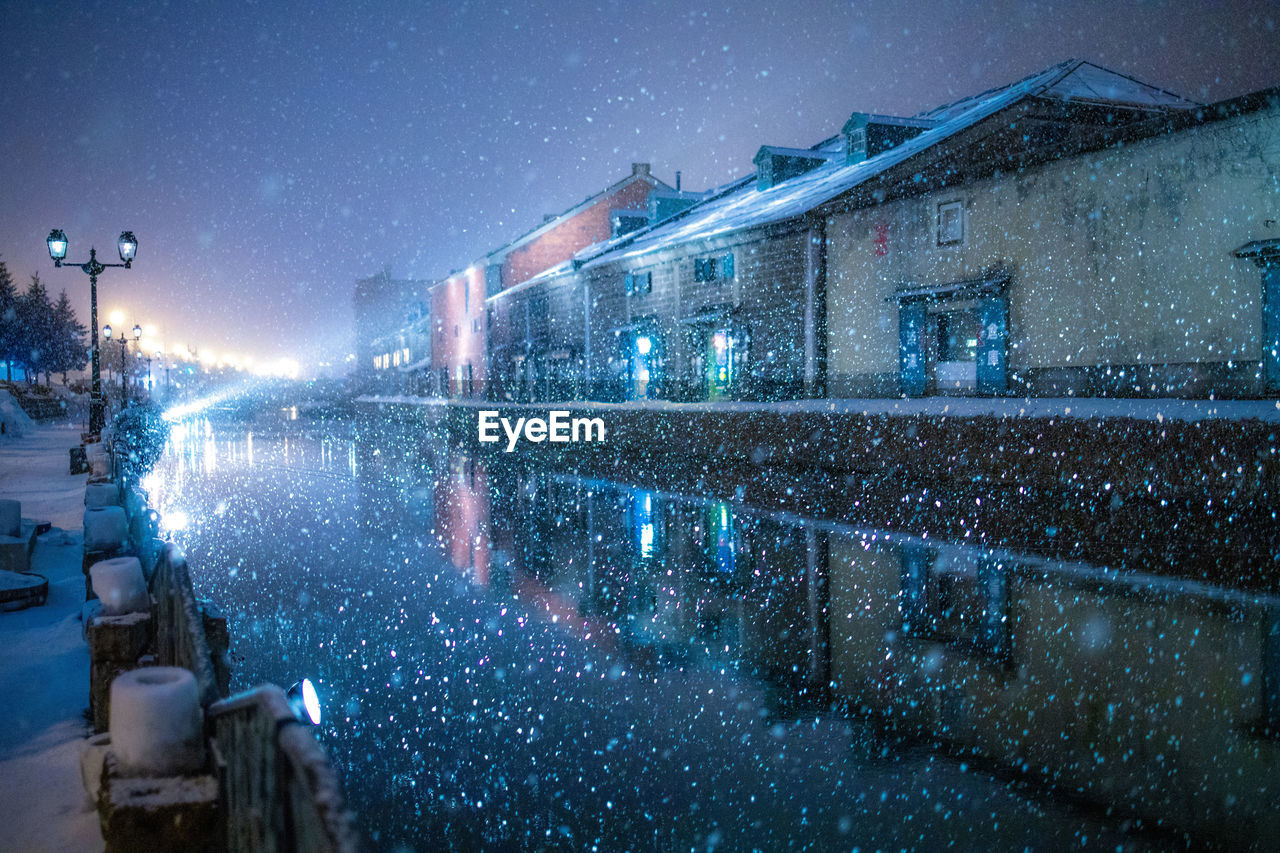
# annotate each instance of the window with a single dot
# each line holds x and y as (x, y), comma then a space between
(457, 330)
(466, 297)
(713, 269)
(639, 283)
(950, 223)
(704, 269)
(475, 325)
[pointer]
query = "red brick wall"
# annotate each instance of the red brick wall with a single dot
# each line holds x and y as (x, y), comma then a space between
(566, 239)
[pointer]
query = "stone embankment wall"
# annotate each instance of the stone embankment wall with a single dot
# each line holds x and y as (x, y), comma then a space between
(1189, 498)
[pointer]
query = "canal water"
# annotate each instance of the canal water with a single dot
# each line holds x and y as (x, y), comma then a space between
(511, 656)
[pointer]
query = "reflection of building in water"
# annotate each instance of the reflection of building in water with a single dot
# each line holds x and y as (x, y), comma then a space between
(1158, 702)
(462, 515)
(1164, 703)
(679, 582)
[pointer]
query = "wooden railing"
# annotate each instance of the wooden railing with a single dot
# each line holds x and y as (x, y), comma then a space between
(282, 793)
(180, 637)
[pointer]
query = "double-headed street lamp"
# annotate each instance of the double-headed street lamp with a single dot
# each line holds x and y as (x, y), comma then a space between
(124, 349)
(128, 247)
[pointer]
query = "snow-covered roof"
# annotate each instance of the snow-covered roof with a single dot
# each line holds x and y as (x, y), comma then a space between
(546, 275)
(742, 205)
(807, 153)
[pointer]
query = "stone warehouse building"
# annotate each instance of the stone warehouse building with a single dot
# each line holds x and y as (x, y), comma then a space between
(1077, 232)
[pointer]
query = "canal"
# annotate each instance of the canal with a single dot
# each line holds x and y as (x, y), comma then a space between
(513, 656)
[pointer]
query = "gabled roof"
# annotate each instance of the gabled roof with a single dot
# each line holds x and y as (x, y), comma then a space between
(498, 254)
(590, 200)
(741, 206)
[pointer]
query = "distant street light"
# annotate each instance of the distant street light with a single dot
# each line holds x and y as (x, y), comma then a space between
(127, 246)
(124, 349)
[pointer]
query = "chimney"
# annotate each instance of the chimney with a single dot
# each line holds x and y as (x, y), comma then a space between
(547, 217)
(639, 168)
(677, 180)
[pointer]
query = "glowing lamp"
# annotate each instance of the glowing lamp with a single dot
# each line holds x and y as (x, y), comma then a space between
(643, 344)
(106, 332)
(128, 246)
(304, 702)
(57, 245)
(137, 333)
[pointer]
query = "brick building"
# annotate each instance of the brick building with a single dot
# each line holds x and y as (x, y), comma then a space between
(498, 350)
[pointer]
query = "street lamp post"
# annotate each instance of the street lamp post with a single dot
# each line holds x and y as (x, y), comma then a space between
(124, 372)
(127, 245)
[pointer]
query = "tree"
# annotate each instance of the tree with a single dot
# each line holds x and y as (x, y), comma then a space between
(9, 334)
(69, 351)
(35, 323)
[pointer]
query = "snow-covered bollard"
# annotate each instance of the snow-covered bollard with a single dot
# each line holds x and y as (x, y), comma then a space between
(120, 586)
(157, 725)
(99, 461)
(104, 528)
(101, 494)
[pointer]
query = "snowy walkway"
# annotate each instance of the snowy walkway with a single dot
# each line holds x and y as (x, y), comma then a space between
(44, 666)
(1158, 409)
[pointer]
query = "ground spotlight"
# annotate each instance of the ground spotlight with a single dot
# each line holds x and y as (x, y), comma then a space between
(304, 702)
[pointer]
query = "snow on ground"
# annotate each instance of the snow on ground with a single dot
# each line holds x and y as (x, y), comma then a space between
(33, 469)
(44, 670)
(1156, 409)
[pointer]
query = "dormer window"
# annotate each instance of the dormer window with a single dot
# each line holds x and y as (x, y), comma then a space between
(775, 165)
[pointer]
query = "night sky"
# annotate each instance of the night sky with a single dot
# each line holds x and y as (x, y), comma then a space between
(268, 154)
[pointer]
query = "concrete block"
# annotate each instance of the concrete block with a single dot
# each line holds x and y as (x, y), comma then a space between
(115, 645)
(159, 812)
(13, 554)
(10, 518)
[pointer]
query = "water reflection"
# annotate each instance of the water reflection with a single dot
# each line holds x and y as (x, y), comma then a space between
(526, 658)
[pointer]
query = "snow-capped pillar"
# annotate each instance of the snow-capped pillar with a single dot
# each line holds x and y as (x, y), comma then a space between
(1271, 327)
(815, 289)
(1266, 254)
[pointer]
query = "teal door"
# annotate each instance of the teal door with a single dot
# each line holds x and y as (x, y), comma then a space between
(912, 321)
(993, 314)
